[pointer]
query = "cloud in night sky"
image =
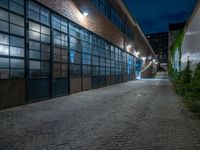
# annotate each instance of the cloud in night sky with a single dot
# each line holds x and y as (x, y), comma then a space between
(155, 15)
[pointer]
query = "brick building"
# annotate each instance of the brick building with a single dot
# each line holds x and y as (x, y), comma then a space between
(51, 48)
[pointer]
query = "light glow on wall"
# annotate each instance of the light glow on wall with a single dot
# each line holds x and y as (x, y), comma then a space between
(137, 54)
(85, 14)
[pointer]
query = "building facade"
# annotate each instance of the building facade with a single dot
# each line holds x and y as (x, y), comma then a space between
(159, 43)
(191, 46)
(51, 48)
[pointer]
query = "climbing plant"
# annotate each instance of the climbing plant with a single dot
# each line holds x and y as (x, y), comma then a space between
(186, 76)
(174, 47)
(195, 82)
(186, 82)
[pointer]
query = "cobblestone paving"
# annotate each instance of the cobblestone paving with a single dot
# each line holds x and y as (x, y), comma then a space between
(136, 115)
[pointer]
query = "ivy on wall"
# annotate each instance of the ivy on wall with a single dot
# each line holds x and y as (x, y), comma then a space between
(176, 45)
(186, 82)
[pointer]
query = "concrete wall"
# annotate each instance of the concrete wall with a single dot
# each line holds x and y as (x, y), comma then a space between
(191, 42)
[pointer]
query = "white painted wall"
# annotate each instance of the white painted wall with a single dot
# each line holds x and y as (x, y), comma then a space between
(191, 42)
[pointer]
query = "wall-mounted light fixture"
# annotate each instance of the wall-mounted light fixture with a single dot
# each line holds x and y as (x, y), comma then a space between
(128, 46)
(85, 13)
(84, 10)
(144, 58)
(137, 54)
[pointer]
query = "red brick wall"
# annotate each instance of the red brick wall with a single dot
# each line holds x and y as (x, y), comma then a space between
(94, 22)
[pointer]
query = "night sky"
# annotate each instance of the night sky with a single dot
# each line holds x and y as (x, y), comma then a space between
(154, 15)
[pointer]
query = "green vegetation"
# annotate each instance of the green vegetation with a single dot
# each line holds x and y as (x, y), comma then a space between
(186, 82)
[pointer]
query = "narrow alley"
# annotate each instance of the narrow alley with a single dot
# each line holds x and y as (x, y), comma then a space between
(116, 117)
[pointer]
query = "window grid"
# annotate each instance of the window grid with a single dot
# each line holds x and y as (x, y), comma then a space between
(12, 40)
(108, 10)
(100, 58)
(39, 41)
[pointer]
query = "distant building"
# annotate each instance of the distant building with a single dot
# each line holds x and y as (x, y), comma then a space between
(159, 43)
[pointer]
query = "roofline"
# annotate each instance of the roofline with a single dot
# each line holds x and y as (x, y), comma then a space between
(134, 23)
(189, 21)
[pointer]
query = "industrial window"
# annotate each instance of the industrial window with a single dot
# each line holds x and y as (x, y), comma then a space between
(95, 50)
(102, 6)
(86, 36)
(96, 3)
(86, 71)
(11, 46)
(107, 66)
(4, 3)
(11, 66)
(112, 64)
(59, 23)
(60, 50)
(86, 47)
(75, 70)
(107, 62)
(17, 6)
(16, 23)
(75, 57)
(102, 62)
(60, 54)
(17, 68)
(39, 32)
(4, 68)
(113, 15)
(107, 71)
(88, 53)
(4, 20)
(74, 31)
(112, 71)
(107, 51)
(86, 59)
(108, 9)
(130, 64)
(75, 44)
(116, 67)
(102, 52)
(75, 51)
(95, 60)
(112, 50)
(95, 40)
(124, 57)
(39, 41)
(38, 13)
(60, 39)
(95, 71)
(129, 32)
(102, 71)
(116, 54)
